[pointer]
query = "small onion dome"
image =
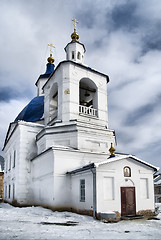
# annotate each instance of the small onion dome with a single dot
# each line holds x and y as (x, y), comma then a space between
(50, 59)
(75, 36)
(112, 150)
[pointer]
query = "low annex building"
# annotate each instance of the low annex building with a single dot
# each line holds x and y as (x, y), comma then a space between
(59, 150)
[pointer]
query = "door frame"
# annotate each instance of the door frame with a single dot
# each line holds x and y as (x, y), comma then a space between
(122, 200)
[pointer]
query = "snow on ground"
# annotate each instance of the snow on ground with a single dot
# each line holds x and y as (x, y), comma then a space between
(37, 223)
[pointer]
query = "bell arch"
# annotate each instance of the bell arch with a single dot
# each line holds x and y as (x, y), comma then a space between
(53, 102)
(88, 97)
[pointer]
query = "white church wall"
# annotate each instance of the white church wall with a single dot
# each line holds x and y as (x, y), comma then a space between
(11, 176)
(19, 149)
(94, 140)
(28, 150)
(60, 136)
(76, 202)
(42, 177)
(114, 170)
(66, 160)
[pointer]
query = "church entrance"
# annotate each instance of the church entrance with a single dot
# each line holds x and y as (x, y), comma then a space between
(128, 204)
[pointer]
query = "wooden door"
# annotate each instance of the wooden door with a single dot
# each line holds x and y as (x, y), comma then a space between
(128, 204)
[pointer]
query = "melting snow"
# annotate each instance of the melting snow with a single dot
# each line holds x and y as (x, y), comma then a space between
(40, 223)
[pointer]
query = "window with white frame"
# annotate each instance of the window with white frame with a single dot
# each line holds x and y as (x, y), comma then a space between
(9, 164)
(78, 55)
(6, 191)
(72, 54)
(6, 165)
(13, 191)
(82, 190)
(9, 191)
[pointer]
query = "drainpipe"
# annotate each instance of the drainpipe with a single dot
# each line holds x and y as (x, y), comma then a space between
(93, 170)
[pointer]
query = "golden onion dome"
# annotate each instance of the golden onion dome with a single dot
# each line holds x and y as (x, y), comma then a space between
(74, 36)
(112, 150)
(50, 59)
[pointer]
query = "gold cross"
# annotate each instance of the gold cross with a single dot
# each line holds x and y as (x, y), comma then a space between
(75, 22)
(51, 46)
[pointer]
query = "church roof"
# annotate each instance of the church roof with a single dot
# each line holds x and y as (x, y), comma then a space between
(33, 111)
(49, 71)
(109, 160)
(79, 65)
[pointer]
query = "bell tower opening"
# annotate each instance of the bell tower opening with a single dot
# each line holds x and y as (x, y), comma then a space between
(53, 102)
(88, 100)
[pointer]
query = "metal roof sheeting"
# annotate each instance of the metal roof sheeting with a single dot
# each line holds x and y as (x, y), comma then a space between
(33, 111)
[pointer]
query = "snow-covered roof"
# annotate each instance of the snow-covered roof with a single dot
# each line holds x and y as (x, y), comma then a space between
(120, 157)
(110, 160)
(158, 182)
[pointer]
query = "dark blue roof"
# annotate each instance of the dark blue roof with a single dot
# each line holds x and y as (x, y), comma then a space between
(49, 71)
(33, 111)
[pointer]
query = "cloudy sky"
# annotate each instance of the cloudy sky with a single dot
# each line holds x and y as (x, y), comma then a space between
(122, 39)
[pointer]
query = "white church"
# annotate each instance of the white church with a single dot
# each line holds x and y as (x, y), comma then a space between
(59, 151)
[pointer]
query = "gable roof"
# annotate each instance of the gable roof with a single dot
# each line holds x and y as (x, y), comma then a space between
(79, 65)
(110, 160)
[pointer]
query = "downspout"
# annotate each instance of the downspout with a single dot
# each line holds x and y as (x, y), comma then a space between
(93, 170)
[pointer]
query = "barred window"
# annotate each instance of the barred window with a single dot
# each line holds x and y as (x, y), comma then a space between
(82, 190)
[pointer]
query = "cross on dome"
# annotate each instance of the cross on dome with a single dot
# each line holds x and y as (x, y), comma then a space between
(75, 35)
(75, 24)
(51, 46)
(51, 59)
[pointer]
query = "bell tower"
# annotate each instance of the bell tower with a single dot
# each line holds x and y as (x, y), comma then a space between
(75, 104)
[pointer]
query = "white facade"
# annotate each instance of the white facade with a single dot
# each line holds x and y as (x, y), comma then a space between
(40, 156)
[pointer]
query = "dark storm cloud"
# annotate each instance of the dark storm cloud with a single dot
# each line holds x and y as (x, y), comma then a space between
(87, 20)
(9, 93)
(152, 40)
(123, 137)
(133, 118)
(153, 150)
(124, 16)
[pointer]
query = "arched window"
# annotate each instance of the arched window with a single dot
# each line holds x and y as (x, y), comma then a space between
(78, 55)
(72, 54)
(127, 171)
